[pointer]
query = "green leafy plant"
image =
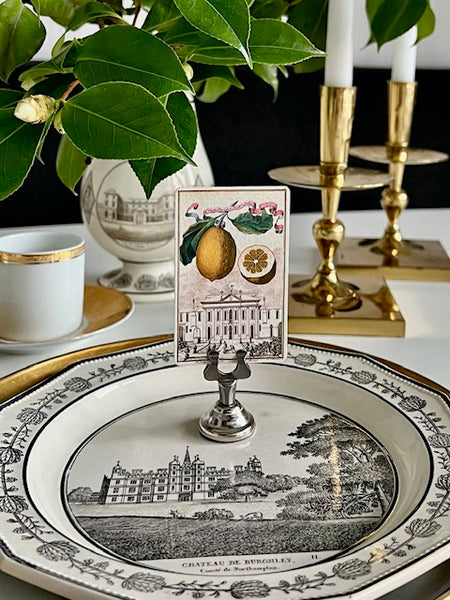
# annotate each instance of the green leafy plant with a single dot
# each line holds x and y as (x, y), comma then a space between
(124, 91)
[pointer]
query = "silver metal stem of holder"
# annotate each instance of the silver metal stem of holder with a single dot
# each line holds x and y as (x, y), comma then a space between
(228, 420)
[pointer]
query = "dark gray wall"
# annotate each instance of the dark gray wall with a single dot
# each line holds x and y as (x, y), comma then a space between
(246, 134)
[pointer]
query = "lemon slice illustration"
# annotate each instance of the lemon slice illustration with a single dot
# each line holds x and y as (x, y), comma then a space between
(257, 264)
(216, 253)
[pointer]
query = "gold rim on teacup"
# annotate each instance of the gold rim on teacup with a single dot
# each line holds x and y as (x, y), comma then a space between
(42, 257)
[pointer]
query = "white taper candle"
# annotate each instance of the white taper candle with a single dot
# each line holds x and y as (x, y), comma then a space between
(404, 57)
(339, 44)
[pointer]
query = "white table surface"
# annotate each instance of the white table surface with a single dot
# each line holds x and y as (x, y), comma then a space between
(425, 348)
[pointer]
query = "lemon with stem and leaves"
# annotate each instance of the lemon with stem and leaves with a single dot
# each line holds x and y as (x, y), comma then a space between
(214, 248)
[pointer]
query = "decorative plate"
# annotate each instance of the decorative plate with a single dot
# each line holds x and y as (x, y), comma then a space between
(108, 489)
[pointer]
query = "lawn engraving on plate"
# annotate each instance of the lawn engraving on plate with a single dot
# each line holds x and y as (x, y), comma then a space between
(231, 272)
(323, 487)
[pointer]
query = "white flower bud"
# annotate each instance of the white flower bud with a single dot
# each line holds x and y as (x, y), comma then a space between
(35, 109)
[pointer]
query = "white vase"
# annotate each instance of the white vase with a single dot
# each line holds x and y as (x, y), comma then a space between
(139, 231)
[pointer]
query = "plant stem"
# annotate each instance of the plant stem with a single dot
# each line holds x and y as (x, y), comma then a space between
(137, 11)
(71, 87)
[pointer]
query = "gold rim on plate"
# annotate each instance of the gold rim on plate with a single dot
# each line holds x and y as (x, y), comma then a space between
(21, 380)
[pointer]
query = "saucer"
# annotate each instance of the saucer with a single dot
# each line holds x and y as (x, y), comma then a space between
(103, 309)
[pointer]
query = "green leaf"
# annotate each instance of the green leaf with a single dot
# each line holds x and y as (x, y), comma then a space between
(426, 24)
(19, 143)
(151, 172)
(269, 74)
(309, 66)
(70, 163)
(162, 16)
(60, 11)
(225, 20)
(201, 48)
(204, 72)
(191, 239)
(248, 223)
(121, 120)
(21, 36)
(9, 98)
(192, 44)
(271, 9)
(91, 12)
(57, 64)
(391, 18)
(147, 61)
(274, 42)
(48, 123)
(54, 85)
(310, 17)
(213, 89)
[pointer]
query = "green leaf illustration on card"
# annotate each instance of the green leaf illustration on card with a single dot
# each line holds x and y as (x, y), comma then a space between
(191, 238)
(248, 223)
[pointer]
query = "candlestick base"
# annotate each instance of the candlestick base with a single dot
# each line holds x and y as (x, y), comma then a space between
(376, 313)
(417, 260)
(391, 256)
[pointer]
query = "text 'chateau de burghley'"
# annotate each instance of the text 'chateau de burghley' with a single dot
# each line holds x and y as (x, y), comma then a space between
(179, 481)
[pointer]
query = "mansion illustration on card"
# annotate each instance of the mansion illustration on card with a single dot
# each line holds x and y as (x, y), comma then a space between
(229, 321)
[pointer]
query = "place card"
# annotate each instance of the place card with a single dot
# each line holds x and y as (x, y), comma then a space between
(231, 272)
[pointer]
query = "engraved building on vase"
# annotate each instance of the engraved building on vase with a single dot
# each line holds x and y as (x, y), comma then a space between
(114, 207)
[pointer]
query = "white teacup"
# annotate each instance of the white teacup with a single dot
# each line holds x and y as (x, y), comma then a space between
(41, 285)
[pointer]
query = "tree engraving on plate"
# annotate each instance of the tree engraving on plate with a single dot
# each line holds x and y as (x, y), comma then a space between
(17, 514)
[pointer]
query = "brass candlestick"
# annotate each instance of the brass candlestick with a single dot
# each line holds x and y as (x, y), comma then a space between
(337, 108)
(401, 100)
(342, 307)
(392, 255)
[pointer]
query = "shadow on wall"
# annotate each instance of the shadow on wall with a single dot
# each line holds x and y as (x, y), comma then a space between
(245, 134)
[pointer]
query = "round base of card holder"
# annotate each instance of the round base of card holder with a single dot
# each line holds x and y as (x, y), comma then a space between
(227, 423)
(228, 420)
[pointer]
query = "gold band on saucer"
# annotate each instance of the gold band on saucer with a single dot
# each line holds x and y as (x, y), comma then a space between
(44, 257)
